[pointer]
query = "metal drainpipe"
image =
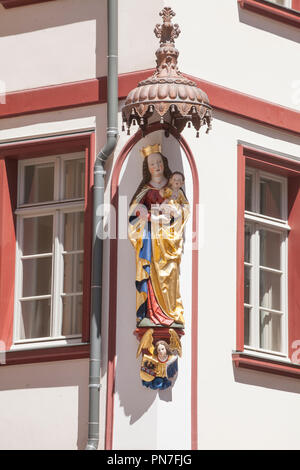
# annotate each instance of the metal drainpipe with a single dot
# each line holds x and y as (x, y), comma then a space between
(98, 199)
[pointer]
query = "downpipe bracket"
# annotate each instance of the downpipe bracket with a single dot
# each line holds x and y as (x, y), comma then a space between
(97, 386)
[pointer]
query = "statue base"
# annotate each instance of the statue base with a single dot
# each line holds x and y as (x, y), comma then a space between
(147, 323)
(159, 333)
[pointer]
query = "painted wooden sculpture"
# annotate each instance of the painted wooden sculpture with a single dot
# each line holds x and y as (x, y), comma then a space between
(157, 216)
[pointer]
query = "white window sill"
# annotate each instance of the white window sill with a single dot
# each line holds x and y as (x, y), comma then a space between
(44, 352)
(45, 343)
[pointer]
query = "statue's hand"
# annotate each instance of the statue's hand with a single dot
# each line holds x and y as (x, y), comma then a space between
(142, 212)
(171, 211)
(144, 216)
(161, 219)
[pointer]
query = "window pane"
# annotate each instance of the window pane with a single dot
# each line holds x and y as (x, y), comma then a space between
(247, 285)
(247, 314)
(248, 193)
(38, 233)
(37, 276)
(270, 198)
(35, 319)
(38, 184)
(270, 290)
(73, 273)
(74, 231)
(270, 331)
(74, 179)
(247, 244)
(72, 315)
(270, 244)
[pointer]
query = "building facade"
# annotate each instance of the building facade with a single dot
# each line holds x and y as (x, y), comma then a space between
(238, 382)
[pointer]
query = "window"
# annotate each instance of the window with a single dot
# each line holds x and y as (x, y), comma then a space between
(50, 242)
(265, 262)
(268, 259)
(46, 247)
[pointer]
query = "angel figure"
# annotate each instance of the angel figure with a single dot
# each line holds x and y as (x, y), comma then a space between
(161, 364)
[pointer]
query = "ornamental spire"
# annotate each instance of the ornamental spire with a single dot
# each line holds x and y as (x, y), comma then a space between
(167, 32)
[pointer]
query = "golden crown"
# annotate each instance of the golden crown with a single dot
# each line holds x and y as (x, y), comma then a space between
(146, 151)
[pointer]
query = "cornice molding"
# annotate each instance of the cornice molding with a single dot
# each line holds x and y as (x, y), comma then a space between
(94, 91)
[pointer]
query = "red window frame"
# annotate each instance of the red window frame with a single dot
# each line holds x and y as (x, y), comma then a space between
(296, 5)
(9, 156)
(280, 165)
(289, 16)
(20, 3)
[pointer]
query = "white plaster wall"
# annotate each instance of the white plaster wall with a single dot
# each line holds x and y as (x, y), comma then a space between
(137, 42)
(44, 406)
(51, 43)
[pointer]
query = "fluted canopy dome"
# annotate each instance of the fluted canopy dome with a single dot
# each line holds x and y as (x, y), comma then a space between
(167, 93)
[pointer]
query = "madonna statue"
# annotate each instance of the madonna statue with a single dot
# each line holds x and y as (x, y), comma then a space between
(157, 216)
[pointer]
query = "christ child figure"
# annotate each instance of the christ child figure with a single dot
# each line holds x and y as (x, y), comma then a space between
(175, 202)
(173, 191)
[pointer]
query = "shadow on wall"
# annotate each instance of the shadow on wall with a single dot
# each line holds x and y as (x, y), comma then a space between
(46, 417)
(266, 380)
(269, 25)
(134, 398)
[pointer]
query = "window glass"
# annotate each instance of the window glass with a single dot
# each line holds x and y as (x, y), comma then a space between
(247, 285)
(247, 316)
(73, 272)
(37, 275)
(270, 198)
(73, 231)
(72, 315)
(270, 292)
(74, 179)
(38, 183)
(270, 331)
(270, 244)
(248, 193)
(247, 243)
(35, 318)
(38, 235)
